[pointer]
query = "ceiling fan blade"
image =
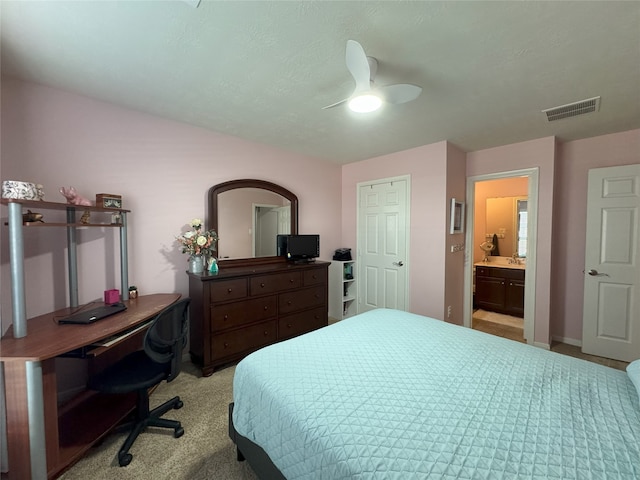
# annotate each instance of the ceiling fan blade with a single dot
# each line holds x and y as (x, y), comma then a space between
(335, 104)
(358, 65)
(400, 92)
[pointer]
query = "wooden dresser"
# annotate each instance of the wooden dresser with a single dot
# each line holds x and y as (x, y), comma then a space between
(242, 309)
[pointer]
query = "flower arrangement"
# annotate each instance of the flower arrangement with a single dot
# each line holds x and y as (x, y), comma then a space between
(198, 241)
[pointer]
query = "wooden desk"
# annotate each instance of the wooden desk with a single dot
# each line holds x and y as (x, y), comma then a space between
(44, 438)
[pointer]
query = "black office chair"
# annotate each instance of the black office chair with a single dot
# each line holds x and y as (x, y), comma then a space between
(139, 371)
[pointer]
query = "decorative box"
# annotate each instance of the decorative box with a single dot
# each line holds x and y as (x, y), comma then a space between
(108, 200)
(21, 190)
(111, 296)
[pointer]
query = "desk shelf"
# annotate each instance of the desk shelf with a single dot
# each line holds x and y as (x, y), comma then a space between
(79, 428)
(16, 249)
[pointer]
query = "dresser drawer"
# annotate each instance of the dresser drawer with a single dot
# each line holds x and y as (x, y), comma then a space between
(275, 283)
(301, 299)
(246, 339)
(303, 322)
(226, 290)
(315, 276)
(238, 313)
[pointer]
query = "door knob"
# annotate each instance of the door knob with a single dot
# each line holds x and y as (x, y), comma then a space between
(594, 273)
(398, 264)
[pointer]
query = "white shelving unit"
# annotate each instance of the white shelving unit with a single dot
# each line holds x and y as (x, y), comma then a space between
(342, 289)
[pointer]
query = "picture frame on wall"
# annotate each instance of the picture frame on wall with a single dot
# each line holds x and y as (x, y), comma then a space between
(457, 216)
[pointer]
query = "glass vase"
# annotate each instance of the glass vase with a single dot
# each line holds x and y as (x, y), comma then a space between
(213, 265)
(196, 264)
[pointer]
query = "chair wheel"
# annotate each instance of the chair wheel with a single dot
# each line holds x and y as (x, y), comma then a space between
(178, 405)
(178, 432)
(125, 459)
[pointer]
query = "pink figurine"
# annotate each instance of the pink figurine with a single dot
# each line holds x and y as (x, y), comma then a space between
(73, 197)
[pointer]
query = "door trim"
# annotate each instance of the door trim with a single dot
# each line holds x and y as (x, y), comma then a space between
(532, 175)
(368, 183)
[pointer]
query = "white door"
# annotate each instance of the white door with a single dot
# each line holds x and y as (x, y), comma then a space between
(611, 318)
(383, 233)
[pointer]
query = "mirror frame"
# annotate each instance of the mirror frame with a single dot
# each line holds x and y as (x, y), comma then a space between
(212, 220)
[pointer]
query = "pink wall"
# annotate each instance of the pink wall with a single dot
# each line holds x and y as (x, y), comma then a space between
(535, 153)
(162, 169)
(454, 261)
(570, 216)
(427, 166)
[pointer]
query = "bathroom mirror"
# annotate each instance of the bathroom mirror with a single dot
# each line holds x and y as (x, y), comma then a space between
(247, 215)
(506, 218)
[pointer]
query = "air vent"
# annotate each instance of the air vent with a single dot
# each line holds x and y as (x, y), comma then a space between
(573, 109)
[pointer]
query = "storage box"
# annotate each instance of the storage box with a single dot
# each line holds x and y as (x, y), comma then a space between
(108, 200)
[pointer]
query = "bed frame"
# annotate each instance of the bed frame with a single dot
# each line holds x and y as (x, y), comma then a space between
(253, 453)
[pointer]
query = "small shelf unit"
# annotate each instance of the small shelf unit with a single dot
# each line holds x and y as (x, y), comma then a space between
(16, 249)
(342, 289)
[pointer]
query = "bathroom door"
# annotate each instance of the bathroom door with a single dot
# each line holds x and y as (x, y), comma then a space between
(383, 233)
(611, 316)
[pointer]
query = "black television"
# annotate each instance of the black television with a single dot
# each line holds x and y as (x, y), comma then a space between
(281, 245)
(303, 248)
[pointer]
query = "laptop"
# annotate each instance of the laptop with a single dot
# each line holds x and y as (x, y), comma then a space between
(93, 315)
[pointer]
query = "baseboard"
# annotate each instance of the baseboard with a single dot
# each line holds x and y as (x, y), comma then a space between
(568, 341)
(544, 346)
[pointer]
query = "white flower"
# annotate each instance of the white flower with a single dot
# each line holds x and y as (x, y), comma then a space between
(202, 240)
(188, 235)
(196, 223)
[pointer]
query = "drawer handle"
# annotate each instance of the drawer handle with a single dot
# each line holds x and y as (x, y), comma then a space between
(228, 290)
(291, 280)
(289, 302)
(266, 332)
(226, 344)
(288, 325)
(262, 285)
(266, 307)
(226, 317)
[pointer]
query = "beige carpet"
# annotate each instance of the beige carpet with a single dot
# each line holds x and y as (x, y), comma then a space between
(205, 451)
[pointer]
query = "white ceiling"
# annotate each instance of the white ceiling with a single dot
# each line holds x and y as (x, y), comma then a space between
(263, 70)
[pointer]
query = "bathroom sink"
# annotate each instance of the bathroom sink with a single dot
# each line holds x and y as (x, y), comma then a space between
(502, 262)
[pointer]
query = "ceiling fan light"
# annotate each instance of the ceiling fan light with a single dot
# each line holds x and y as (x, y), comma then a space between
(365, 103)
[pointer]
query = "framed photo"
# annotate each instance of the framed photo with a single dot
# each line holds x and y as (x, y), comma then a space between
(457, 216)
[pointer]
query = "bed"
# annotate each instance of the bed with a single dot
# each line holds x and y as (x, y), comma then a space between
(393, 395)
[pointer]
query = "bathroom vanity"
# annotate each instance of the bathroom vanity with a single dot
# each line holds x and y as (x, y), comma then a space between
(500, 288)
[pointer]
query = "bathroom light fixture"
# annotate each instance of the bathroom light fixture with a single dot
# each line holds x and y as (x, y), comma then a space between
(365, 103)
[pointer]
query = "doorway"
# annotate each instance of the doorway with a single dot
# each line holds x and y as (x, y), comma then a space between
(383, 244)
(531, 227)
(268, 222)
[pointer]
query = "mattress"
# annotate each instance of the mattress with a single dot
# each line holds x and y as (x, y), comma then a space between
(393, 395)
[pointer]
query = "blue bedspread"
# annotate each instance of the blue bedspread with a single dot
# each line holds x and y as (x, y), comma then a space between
(392, 395)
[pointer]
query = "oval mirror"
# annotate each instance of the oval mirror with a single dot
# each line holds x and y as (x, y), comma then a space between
(248, 215)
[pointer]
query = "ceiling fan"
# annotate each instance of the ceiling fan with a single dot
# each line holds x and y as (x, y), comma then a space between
(367, 96)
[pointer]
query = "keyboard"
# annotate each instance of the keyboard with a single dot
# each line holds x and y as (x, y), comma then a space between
(93, 314)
